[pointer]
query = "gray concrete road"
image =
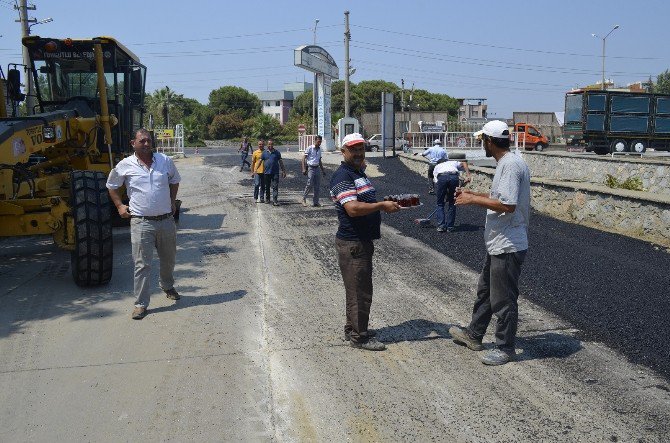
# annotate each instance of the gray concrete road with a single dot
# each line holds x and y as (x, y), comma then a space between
(253, 351)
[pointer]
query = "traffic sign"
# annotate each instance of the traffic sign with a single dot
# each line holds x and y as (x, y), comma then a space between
(301, 128)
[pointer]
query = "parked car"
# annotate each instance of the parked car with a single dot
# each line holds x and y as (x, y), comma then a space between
(374, 143)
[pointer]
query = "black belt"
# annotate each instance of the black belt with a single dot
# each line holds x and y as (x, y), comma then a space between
(447, 173)
(310, 166)
(153, 217)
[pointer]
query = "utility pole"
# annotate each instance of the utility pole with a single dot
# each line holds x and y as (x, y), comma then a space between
(25, 28)
(402, 99)
(347, 37)
(410, 108)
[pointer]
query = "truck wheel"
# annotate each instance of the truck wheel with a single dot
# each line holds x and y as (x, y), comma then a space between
(619, 145)
(638, 146)
(91, 259)
(540, 147)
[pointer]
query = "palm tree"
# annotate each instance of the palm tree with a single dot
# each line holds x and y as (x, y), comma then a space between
(163, 101)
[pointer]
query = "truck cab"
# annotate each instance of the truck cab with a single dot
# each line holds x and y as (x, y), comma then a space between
(530, 137)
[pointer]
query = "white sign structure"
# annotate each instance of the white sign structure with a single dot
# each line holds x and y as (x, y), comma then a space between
(316, 59)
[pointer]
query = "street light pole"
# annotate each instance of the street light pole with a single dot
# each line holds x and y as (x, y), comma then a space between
(603, 56)
(314, 95)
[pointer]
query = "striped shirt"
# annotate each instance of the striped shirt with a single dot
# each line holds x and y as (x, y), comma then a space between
(348, 184)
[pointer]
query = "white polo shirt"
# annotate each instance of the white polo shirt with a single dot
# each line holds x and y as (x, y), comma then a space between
(148, 188)
(313, 156)
(448, 167)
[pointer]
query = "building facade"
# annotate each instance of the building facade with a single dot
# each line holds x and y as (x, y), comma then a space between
(277, 104)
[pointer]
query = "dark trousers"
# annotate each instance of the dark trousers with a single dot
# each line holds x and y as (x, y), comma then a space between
(497, 293)
(431, 168)
(446, 189)
(355, 259)
(244, 156)
(259, 186)
(271, 181)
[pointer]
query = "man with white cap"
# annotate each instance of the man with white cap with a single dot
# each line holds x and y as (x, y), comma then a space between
(358, 213)
(506, 237)
(435, 154)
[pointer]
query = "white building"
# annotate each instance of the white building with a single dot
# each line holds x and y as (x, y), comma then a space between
(279, 103)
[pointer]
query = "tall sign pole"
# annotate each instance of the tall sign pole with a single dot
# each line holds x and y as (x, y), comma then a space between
(347, 37)
(25, 31)
(317, 60)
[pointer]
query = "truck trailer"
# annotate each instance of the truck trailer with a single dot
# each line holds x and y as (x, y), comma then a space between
(617, 121)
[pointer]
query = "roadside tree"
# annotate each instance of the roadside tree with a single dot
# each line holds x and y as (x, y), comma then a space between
(233, 99)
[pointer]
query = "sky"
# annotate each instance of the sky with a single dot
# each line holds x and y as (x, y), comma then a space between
(519, 55)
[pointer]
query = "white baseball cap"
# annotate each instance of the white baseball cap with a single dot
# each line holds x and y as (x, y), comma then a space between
(352, 139)
(495, 129)
(437, 141)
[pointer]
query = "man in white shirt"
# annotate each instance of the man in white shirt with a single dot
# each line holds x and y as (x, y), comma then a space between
(311, 163)
(506, 235)
(446, 181)
(152, 181)
(435, 154)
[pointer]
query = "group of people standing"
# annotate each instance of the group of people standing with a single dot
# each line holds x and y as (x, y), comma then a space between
(152, 182)
(266, 164)
(506, 238)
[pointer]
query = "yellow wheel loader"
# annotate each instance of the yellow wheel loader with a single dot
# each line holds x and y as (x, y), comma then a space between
(55, 162)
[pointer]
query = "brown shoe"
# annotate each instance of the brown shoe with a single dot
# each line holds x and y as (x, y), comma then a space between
(139, 312)
(172, 294)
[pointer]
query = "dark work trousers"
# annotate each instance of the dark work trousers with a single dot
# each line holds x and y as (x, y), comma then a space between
(497, 293)
(244, 155)
(271, 181)
(259, 186)
(431, 167)
(355, 259)
(446, 189)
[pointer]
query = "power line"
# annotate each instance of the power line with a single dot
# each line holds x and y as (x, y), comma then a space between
(231, 36)
(488, 45)
(447, 58)
(232, 51)
(405, 68)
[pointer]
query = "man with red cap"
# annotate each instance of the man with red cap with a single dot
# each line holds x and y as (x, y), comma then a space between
(358, 213)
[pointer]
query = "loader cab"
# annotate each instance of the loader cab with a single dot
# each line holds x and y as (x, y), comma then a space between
(65, 77)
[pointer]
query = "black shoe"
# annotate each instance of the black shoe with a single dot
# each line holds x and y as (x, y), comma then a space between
(371, 333)
(172, 294)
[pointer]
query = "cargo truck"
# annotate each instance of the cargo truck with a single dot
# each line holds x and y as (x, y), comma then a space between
(617, 121)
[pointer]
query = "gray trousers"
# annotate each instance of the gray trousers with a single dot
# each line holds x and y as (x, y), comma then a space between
(313, 181)
(145, 235)
(497, 293)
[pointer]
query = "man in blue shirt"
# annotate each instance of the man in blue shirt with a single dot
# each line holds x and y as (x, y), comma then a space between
(359, 224)
(435, 154)
(272, 161)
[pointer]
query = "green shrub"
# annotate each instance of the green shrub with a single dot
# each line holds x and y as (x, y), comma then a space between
(631, 183)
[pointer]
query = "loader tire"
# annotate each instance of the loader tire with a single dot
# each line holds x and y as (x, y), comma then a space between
(91, 259)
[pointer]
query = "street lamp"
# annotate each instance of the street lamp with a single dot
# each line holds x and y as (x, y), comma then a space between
(605, 38)
(314, 96)
(316, 23)
(46, 20)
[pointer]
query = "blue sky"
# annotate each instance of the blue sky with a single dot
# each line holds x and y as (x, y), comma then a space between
(520, 55)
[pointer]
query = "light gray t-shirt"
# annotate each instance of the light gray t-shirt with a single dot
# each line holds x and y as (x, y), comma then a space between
(508, 232)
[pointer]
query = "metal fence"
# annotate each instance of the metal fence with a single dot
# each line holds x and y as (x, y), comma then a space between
(170, 144)
(305, 141)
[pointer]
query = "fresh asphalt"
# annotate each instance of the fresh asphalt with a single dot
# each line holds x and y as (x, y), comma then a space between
(611, 287)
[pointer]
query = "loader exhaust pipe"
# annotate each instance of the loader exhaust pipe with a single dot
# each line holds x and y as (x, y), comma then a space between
(102, 89)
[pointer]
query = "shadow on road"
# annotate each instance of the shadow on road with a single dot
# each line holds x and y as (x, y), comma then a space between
(547, 345)
(188, 301)
(413, 330)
